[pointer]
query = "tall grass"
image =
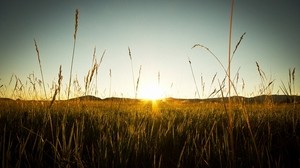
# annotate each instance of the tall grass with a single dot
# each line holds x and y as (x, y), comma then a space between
(266, 84)
(124, 133)
(57, 87)
(229, 48)
(196, 86)
(73, 52)
(133, 79)
(40, 64)
(289, 90)
(98, 66)
(92, 72)
(138, 82)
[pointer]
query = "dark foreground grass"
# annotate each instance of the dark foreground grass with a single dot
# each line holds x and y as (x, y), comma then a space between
(131, 133)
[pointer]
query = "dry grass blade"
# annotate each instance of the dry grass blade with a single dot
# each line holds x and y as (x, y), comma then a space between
(94, 56)
(206, 48)
(293, 79)
(138, 81)
(73, 53)
(289, 90)
(261, 72)
(194, 77)
(226, 72)
(211, 84)
(213, 79)
(129, 52)
(133, 79)
(293, 74)
(60, 77)
(53, 98)
(212, 93)
(237, 45)
(76, 23)
(58, 87)
(202, 84)
(290, 81)
(229, 50)
(89, 77)
(11, 78)
(98, 65)
(39, 60)
(101, 59)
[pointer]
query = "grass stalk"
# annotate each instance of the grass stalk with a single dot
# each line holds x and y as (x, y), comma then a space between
(91, 72)
(194, 77)
(137, 82)
(39, 60)
(228, 110)
(73, 52)
(229, 47)
(133, 80)
(57, 88)
(98, 66)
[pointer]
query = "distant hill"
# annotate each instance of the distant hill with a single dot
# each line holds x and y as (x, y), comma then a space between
(86, 98)
(6, 99)
(274, 98)
(256, 99)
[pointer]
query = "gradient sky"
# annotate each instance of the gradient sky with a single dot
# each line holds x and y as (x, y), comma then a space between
(160, 35)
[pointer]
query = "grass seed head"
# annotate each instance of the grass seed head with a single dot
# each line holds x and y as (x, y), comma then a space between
(76, 23)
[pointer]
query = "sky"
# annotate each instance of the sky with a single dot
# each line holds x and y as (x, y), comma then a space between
(160, 34)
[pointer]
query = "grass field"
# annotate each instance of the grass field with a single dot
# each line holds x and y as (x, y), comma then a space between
(51, 131)
(136, 133)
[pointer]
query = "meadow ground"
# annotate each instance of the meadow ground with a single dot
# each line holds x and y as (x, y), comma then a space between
(136, 133)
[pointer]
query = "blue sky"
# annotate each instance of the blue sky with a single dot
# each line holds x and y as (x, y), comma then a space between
(160, 35)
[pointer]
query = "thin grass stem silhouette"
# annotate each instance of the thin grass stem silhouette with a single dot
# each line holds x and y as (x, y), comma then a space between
(194, 77)
(138, 81)
(39, 60)
(133, 79)
(73, 52)
(229, 47)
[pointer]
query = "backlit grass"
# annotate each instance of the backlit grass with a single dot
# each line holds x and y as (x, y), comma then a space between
(130, 133)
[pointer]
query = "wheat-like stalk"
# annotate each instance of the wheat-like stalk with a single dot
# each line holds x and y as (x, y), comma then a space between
(229, 50)
(211, 84)
(88, 79)
(133, 80)
(98, 66)
(137, 82)
(39, 60)
(237, 45)
(73, 53)
(293, 79)
(76, 23)
(194, 77)
(60, 77)
(202, 84)
(57, 88)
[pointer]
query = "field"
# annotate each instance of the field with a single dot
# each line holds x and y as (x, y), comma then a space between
(47, 130)
(135, 133)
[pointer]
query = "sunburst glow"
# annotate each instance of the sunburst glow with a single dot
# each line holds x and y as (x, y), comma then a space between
(151, 92)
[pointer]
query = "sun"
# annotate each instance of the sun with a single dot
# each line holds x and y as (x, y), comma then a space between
(151, 92)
